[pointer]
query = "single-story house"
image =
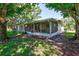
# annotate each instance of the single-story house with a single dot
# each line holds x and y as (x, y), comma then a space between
(45, 27)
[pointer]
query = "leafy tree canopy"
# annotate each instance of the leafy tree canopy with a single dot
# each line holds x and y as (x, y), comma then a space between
(66, 9)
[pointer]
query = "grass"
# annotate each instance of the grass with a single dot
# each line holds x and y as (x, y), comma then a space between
(27, 47)
(69, 35)
(11, 33)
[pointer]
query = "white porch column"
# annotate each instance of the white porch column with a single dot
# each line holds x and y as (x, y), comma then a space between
(33, 27)
(23, 28)
(40, 27)
(18, 28)
(50, 27)
(60, 28)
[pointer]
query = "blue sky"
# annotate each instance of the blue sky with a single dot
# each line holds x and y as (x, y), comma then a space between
(46, 13)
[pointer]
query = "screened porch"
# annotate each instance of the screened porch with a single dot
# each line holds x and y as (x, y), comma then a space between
(42, 27)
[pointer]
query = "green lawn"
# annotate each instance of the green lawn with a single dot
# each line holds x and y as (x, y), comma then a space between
(11, 33)
(27, 47)
(69, 35)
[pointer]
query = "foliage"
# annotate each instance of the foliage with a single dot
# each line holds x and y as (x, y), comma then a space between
(68, 10)
(27, 47)
(12, 33)
(69, 24)
(65, 8)
(23, 13)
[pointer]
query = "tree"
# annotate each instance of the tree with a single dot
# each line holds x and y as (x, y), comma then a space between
(10, 10)
(69, 24)
(27, 15)
(68, 9)
(31, 13)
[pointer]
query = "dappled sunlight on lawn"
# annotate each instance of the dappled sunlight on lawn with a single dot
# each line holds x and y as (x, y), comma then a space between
(69, 35)
(27, 47)
(13, 33)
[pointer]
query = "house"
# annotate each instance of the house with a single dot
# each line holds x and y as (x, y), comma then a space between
(44, 27)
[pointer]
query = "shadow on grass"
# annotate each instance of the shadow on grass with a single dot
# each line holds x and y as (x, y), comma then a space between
(27, 47)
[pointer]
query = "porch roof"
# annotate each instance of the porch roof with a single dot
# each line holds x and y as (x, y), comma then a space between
(44, 20)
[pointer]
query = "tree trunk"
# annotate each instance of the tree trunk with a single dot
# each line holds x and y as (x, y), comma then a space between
(3, 30)
(77, 30)
(77, 20)
(3, 23)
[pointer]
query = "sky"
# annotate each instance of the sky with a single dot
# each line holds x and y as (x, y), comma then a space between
(46, 13)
